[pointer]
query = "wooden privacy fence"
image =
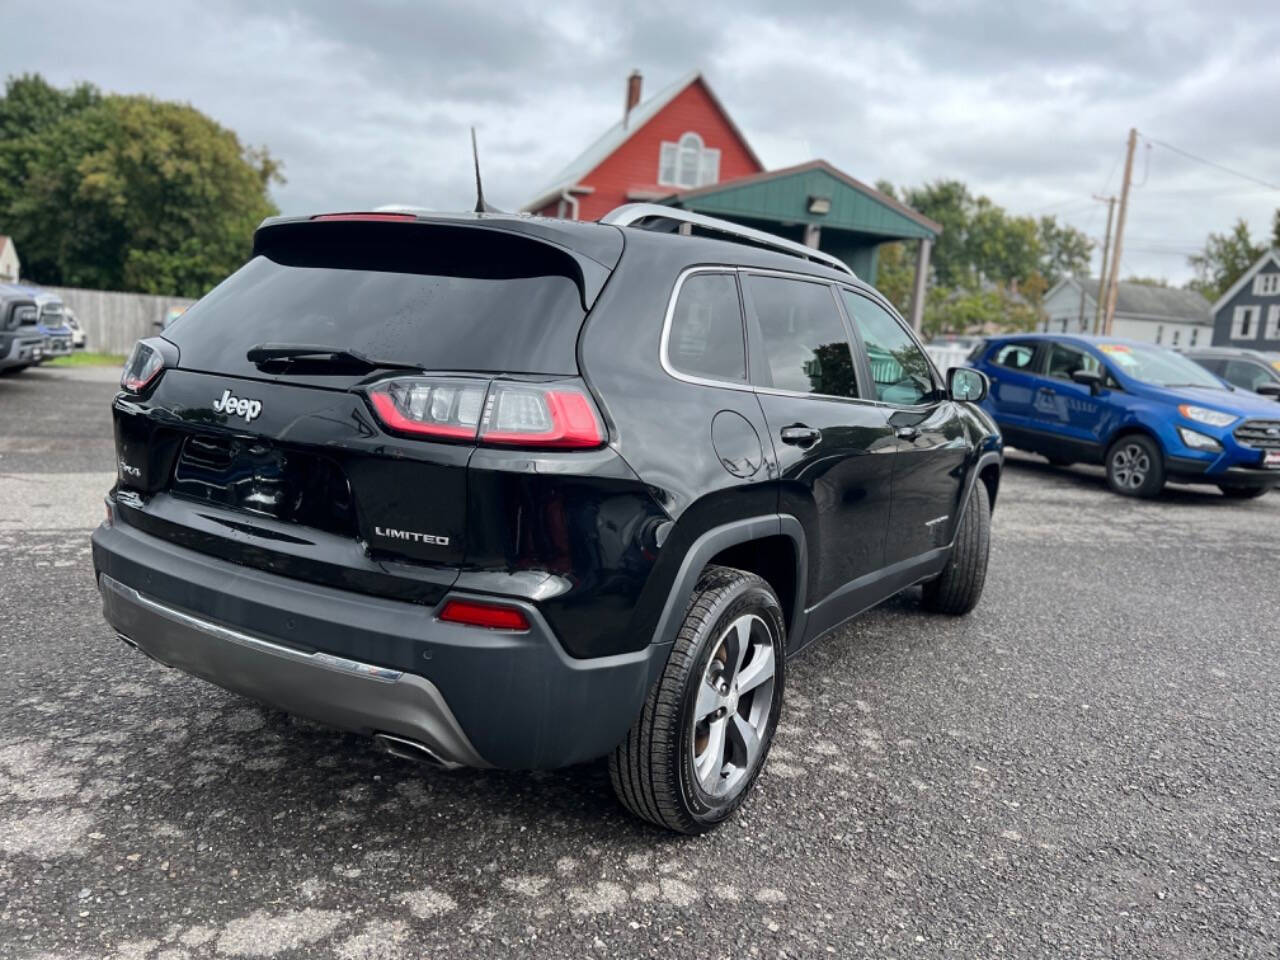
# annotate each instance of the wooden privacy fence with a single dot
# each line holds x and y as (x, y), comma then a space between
(112, 321)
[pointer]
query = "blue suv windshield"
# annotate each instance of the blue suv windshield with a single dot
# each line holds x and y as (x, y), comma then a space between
(1159, 367)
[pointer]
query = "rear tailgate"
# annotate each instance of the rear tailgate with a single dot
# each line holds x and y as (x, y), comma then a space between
(290, 470)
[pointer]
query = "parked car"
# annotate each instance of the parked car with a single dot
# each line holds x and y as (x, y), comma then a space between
(51, 320)
(21, 345)
(1251, 370)
(77, 332)
(53, 325)
(1145, 412)
(522, 493)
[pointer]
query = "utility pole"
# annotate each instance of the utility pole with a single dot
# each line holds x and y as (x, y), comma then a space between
(1114, 286)
(1102, 274)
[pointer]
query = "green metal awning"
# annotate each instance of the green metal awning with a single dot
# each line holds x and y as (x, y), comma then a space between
(790, 196)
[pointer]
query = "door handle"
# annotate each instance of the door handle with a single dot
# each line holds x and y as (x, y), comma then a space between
(800, 435)
(906, 433)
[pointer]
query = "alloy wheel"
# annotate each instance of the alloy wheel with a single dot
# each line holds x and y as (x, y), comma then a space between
(733, 706)
(1130, 466)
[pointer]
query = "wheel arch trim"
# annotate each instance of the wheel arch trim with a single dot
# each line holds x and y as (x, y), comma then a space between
(990, 458)
(718, 539)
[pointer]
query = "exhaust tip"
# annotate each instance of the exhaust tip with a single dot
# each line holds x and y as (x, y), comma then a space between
(407, 749)
(126, 641)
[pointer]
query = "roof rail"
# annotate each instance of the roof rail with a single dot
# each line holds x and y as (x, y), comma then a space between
(631, 213)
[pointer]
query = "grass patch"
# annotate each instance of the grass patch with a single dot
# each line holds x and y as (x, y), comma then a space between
(84, 358)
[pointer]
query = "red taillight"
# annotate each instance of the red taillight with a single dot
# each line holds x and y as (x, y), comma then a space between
(493, 616)
(558, 416)
(535, 416)
(426, 407)
(376, 217)
(142, 367)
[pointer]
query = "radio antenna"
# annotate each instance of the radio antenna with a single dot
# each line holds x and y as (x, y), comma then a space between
(481, 206)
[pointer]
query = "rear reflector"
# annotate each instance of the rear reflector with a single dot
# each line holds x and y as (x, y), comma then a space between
(494, 616)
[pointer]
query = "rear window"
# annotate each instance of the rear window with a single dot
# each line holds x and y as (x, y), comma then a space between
(706, 329)
(445, 298)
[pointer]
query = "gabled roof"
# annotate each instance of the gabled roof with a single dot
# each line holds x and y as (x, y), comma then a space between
(1272, 255)
(691, 197)
(622, 131)
(1143, 301)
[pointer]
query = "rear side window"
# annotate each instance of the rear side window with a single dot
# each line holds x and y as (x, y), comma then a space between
(803, 338)
(1015, 356)
(706, 338)
(899, 368)
(443, 297)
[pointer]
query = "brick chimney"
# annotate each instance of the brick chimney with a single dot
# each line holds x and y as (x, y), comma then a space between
(633, 94)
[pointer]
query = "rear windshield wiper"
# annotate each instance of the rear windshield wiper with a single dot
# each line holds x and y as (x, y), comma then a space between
(282, 356)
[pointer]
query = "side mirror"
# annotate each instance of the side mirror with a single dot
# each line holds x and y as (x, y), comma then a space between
(967, 385)
(1268, 390)
(1092, 379)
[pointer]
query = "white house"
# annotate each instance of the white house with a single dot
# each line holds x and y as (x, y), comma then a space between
(1163, 315)
(9, 262)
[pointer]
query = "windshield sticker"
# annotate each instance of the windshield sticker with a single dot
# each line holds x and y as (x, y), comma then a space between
(1114, 348)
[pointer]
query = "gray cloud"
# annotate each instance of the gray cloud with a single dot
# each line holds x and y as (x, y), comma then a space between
(1029, 103)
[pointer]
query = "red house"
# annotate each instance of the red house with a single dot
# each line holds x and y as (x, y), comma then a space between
(681, 149)
(678, 140)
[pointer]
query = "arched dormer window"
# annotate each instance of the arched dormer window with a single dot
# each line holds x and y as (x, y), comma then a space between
(688, 163)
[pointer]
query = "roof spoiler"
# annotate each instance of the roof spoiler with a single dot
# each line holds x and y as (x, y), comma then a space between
(587, 258)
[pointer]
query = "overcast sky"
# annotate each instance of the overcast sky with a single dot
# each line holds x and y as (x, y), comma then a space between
(369, 103)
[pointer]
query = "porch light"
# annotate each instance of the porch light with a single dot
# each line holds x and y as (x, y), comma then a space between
(819, 205)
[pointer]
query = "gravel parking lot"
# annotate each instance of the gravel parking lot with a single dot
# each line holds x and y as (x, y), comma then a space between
(1087, 765)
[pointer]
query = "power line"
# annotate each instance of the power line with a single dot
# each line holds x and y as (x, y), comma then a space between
(1211, 163)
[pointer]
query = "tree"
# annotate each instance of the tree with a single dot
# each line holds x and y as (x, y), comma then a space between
(961, 310)
(989, 268)
(1225, 258)
(1066, 250)
(126, 193)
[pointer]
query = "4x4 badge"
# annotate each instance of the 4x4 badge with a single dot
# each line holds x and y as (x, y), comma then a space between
(238, 406)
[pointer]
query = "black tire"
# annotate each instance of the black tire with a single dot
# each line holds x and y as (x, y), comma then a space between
(1243, 493)
(1135, 466)
(958, 588)
(653, 770)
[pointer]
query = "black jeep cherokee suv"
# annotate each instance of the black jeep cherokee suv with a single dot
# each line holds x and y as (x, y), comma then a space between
(515, 492)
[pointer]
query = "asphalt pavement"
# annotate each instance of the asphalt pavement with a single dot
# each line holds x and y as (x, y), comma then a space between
(1085, 766)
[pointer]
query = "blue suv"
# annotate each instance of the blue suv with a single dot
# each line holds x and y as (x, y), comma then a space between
(1146, 413)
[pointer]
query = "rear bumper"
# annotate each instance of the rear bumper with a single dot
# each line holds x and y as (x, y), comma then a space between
(473, 697)
(335, 690)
